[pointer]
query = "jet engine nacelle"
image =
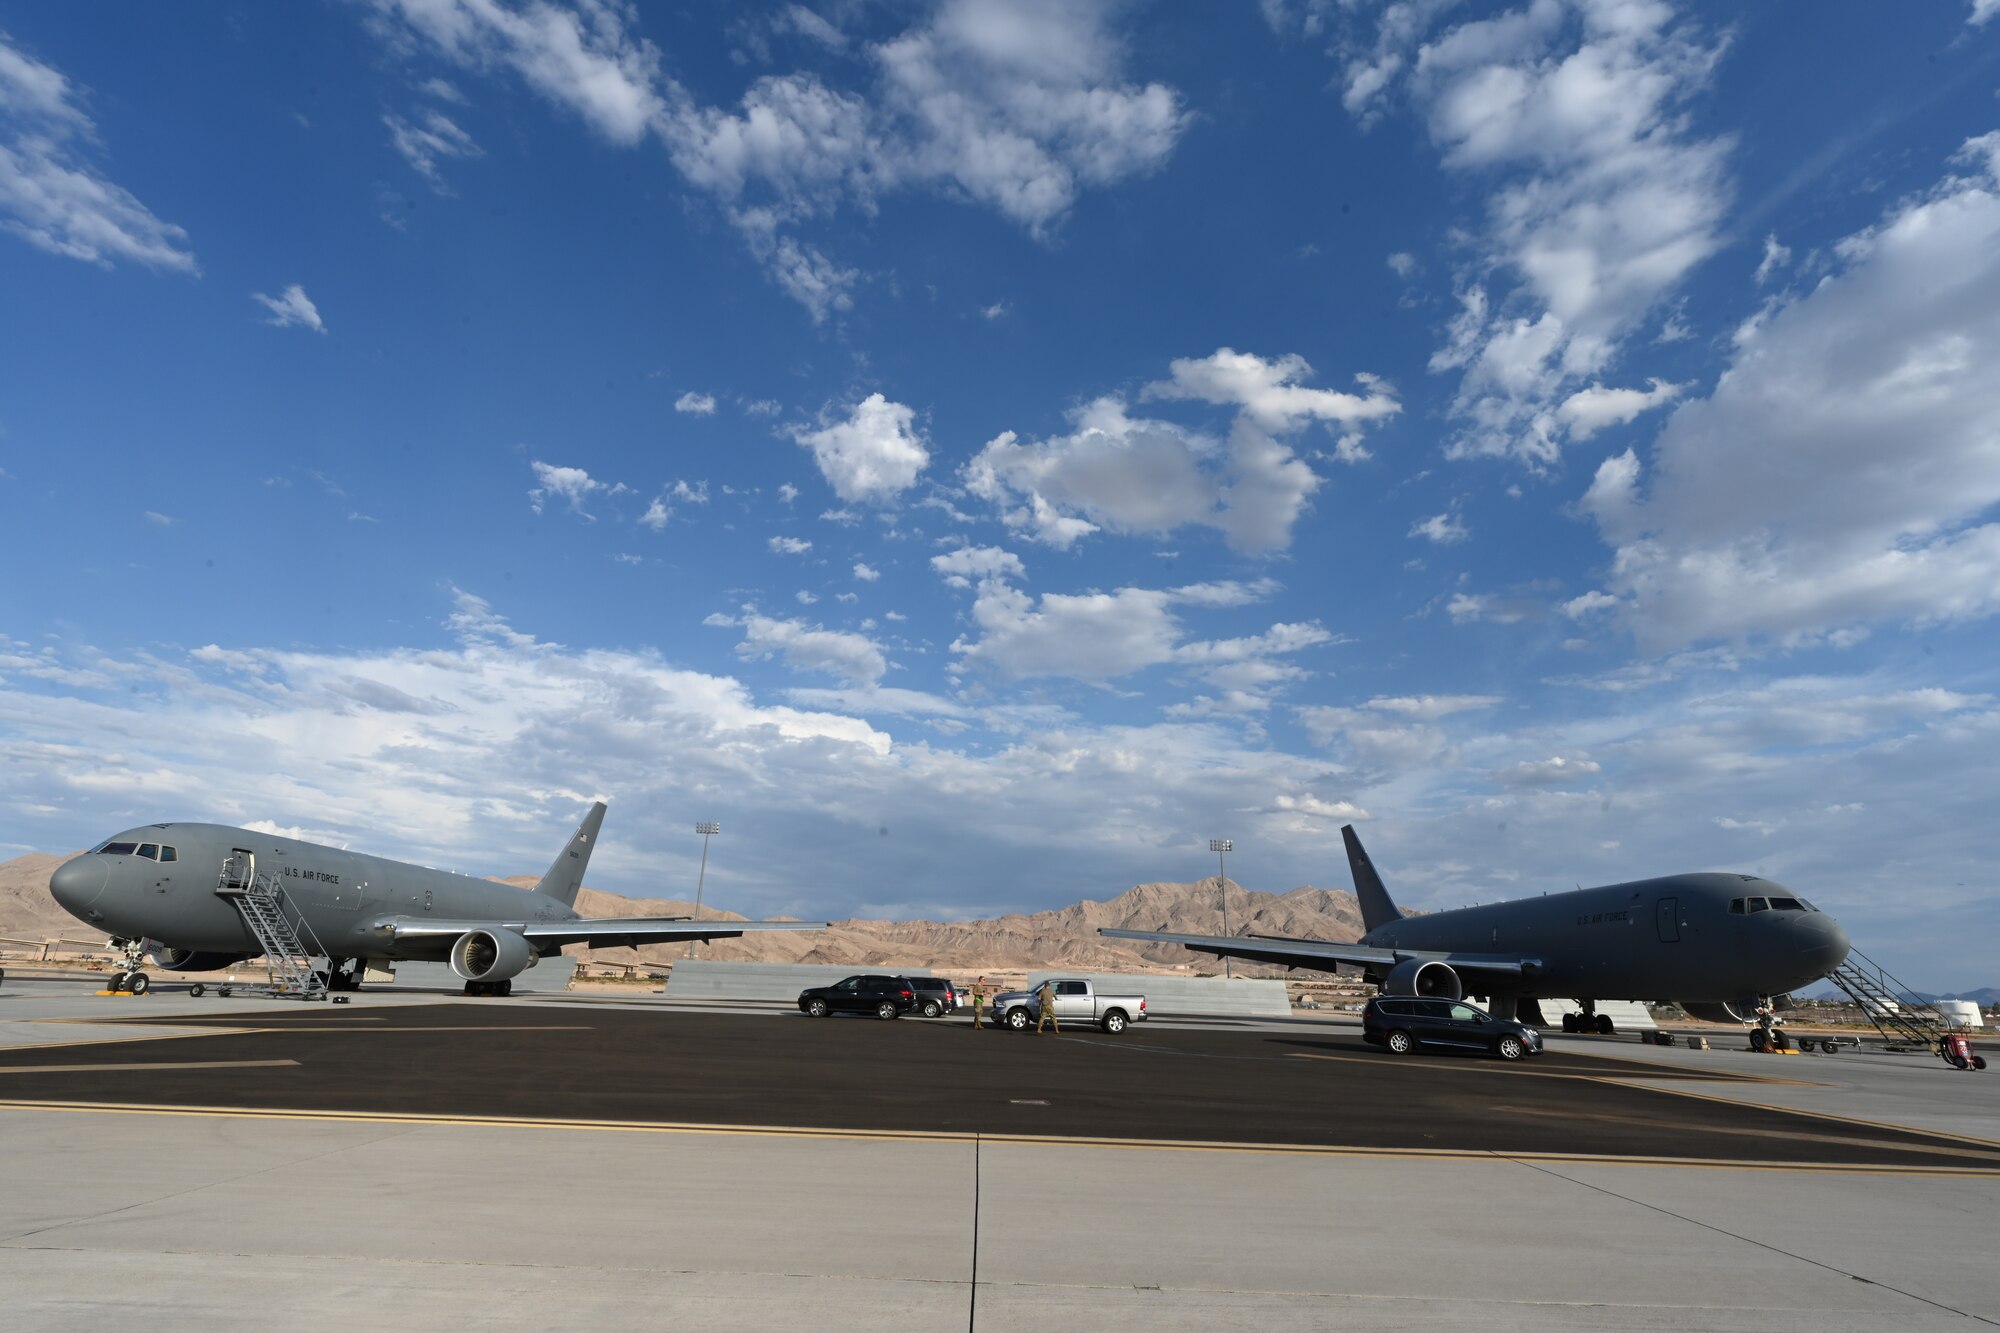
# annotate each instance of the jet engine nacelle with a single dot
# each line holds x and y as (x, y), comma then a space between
(1718, 1011)
(492, 955)
(188, 960)
(1414, 976)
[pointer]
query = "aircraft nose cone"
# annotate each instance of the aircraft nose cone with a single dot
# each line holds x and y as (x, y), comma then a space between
(76, 884)
(1825, 942)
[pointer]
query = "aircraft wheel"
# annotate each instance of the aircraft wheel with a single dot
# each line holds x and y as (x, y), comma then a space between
(816, 1008)
(1604, 1025)
(198, 990)
(885, 1010)
(1830, 1047)
(138, 983)
(223, 991)
(116, 982)
(505, 988)
(1400, 1043)
(1758, 1039)
(1569, 1022)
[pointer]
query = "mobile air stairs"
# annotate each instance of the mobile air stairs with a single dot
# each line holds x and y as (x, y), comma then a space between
(1904, 1021)
(262, 904)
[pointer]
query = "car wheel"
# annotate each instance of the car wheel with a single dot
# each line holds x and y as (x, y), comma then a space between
(932, 1008)
(1017, 1019)
(1400, 1042)
(1509, 1048)
(1114, 1022)
(886, 1009)
(816, 1008)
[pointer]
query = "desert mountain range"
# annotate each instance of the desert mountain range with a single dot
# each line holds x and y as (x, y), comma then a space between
(1065, 937)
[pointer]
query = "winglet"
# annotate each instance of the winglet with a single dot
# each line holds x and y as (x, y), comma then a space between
(565, 876)
(1377, 907)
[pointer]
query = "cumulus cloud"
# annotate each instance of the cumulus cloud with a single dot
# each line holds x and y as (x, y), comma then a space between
(51, 194)
(1444, 529)
(291, 308)
(1601, 199)
(866, 572)
(977, 564)
(872, 456)
(1590, 410)
(1776, 256)
(789, 545)
(1125, 474)
(1555, 771)
(853, 658)
(1843, 471)
(696, 404)
(573, 485)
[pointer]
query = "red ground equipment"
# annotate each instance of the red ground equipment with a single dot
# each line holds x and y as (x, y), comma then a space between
(1956, 1051)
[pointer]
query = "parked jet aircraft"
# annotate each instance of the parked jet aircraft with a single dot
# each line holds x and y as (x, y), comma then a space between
(1719, 945)
(170, 890)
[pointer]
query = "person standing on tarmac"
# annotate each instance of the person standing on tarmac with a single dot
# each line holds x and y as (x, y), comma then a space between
(1046, 997)
(978, 998)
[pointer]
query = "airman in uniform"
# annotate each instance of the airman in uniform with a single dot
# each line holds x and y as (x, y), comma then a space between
(1046, 997)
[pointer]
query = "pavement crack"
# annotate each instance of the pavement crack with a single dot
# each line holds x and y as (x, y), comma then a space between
(1751, 1240)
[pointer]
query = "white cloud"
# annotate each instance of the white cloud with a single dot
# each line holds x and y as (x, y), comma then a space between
(564, 483)
(1430, 707)
(853, 658)
(696, 404)
(696, 493)
(1466, 608)
(998, 310)
(1775, 257)
(865, 572)
(1590, 410)
(163, 520)
(789, 545)
(1444, 529)
(1601, 200)
(970, 564)
(1555, 771)
(872, 456)
(51, 195)
(1777, 506)
(292, 308)
(805, 598)
(1982, 11)
(656, 516)
(787, 493)
(1136, 475)
(1403, 263)
(436, 136)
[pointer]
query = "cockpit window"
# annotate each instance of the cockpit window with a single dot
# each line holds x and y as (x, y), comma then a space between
(118, 849)
(1736, 906)
(1787, 905)
(150, 850)
(1759, 905)
(169, 854)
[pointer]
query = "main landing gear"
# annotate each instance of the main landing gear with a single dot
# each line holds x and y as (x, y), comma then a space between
(1589, 1020)
(490, 987)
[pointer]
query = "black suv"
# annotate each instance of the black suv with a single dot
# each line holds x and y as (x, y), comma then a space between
(882, 996)
(935, 996)
(1404, 1022)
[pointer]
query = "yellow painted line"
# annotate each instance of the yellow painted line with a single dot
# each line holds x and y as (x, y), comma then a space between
(951, 1137)
(153, 1067)
(116, 1041)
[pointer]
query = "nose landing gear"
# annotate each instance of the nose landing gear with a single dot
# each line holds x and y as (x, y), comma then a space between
(128, 979)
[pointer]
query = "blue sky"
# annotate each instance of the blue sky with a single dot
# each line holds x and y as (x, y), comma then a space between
(979, 452)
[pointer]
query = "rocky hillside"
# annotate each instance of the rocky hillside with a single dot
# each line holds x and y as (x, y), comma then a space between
(1066, 936)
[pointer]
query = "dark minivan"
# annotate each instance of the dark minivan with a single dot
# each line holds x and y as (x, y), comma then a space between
(1404, 1022)
(882, 996)
(936, 996)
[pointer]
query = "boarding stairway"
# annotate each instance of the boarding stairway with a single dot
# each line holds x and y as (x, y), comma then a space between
(262, 905)
(1891, 1006)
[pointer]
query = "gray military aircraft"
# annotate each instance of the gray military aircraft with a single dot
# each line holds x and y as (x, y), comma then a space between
(1719, 945)
(176, 891)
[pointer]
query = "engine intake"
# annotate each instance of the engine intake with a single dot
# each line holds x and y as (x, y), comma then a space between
(491, 955)
(1415, 976)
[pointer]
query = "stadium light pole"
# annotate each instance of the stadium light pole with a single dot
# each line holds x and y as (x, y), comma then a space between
(1219, 846)
(707, 831)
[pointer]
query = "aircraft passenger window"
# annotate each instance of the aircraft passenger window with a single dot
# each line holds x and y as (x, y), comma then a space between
(1787, 905)
(150, 850)
(118, 849)
(1759, 905)
(169, 854)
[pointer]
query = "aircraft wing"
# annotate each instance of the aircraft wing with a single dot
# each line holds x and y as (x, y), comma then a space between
(1321, 954)
(599, 932)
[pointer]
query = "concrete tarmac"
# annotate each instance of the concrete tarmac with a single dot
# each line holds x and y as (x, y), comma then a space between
(528, 1165)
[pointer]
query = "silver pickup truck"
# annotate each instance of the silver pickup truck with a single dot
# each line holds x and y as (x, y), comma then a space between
(1077, 1002)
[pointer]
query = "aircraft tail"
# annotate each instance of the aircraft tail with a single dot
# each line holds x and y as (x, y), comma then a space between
(565, 877)
(1377, 907)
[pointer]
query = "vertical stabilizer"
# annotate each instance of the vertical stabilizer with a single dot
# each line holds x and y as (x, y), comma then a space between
(565, 877)
(1377, 907)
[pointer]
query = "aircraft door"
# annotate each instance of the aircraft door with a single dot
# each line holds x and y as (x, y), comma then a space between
(240, 869)
(1667, 914)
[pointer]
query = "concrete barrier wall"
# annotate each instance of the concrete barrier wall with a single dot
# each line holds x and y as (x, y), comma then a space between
(1168, 997)
(703, 979)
